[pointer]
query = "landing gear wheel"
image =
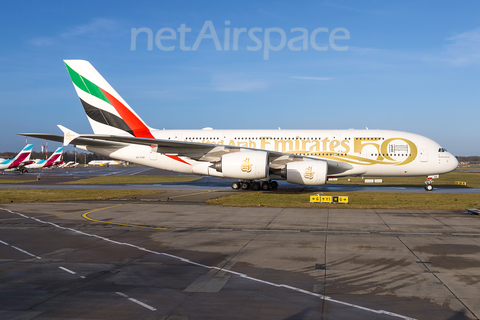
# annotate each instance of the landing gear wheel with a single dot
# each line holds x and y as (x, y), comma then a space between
(255, 186)
(236, 185)
(265, 185)
(273, 184)
(245, 185)
(428, 187)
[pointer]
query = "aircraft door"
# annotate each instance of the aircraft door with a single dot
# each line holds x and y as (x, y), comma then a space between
(153, 153)
(423, 155)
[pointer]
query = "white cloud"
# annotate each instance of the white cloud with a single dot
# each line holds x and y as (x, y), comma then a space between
(237, 83)
(311, 78)
(368, 11)
(96, 26)
(42, 42)
(464, 49)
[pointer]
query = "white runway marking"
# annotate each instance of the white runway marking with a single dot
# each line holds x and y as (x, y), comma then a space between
(109, 174)
(26, 252)
(142, 304)
(217, 268)
(69, 271)
(136, 301)
(21, 250)
(139, 171)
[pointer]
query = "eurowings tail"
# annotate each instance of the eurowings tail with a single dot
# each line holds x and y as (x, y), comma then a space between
(107, 112)
(22, 157)
(52, 160)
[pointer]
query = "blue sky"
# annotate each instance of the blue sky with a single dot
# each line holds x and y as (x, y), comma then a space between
(410, 66)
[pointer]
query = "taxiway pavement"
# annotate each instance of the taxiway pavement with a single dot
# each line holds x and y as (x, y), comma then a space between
(181, 259)
(52, 179)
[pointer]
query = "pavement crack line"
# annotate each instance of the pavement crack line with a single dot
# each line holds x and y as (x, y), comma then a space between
(438, 220)
(324, 274)
(328, 217)
(83, 281)
(378, 214)
(439, 280)
(276, 216)
(241, 275)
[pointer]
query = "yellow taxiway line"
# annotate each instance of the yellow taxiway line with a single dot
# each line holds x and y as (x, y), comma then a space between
(85, 216)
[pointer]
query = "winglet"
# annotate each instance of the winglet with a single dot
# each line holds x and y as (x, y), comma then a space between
(68, 135)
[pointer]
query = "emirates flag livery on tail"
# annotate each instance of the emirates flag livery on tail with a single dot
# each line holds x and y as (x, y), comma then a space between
(255, 157)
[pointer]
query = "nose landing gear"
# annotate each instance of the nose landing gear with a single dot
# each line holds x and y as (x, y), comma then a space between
(428, 183)
(428, 187)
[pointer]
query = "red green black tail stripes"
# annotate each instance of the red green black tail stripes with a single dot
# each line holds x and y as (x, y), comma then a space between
(128, 118)
(105, 117)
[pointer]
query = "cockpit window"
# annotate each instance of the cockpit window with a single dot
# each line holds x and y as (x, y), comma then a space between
(442, 150)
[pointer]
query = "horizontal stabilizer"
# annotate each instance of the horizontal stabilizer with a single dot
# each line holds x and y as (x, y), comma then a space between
(76, 142)
(69, 135)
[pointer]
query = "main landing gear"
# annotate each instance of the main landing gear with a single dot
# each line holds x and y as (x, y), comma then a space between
(254, 185)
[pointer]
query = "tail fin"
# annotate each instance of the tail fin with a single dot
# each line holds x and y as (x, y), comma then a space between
(107, 112)
(22, 156)
(54, 157)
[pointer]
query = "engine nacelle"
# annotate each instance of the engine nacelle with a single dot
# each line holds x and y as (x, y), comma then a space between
(310, 172)
(247, 165)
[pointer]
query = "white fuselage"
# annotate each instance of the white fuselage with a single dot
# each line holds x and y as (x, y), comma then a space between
(369, 152)
(103, 162)
(39, 164)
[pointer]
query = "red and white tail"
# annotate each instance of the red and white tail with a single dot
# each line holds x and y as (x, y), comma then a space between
(107, 112)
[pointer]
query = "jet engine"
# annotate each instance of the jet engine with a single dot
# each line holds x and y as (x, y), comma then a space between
(310, 172)
(248, 165)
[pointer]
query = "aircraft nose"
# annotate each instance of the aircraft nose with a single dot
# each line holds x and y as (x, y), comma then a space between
(453, 162)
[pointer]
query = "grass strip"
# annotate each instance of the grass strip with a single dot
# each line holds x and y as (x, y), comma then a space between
(446, 180)
(52, 195)
(357, 200)
(133, 179)
(14, 181)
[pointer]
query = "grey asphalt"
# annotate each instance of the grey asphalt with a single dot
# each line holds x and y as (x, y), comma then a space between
(181, 259)
(178, 258)
(49, 179)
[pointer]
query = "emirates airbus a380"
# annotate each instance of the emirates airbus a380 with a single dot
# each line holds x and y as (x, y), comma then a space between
(255, 157)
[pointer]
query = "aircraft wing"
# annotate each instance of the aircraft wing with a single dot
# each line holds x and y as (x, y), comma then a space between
(194, 150)
(214, 152)
(78, 141)
(160, 143)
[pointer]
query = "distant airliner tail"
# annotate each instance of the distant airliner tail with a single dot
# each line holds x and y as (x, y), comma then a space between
(22, 156)
(55, 157)
(107, 112)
